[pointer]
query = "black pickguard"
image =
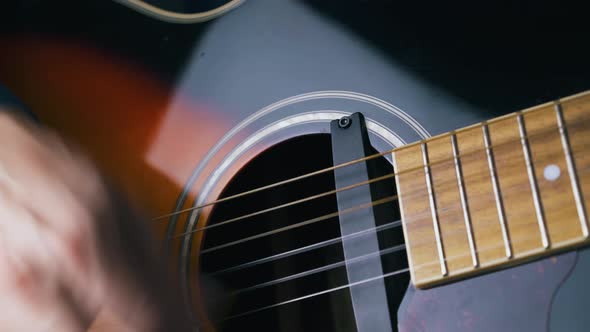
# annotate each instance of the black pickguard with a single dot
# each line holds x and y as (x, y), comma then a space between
(522, 298)
(569, 310)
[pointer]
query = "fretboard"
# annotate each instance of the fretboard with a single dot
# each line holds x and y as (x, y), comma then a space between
(497, 193)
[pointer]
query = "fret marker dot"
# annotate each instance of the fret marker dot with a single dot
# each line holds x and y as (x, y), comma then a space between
(551, 172)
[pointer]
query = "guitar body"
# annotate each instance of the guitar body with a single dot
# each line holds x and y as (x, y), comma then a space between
(540, 296)
(547, 295)
(571, 297)
(182, 115)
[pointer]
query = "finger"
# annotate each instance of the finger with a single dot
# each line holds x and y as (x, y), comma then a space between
(44, 174)
(27, 277)
(34, 247)
(40, 274)
(71, 316)
(74, 168)
(29, 265)
(52, 209)
(79, 268)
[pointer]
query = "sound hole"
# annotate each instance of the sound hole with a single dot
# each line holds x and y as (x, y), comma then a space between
(331, 311)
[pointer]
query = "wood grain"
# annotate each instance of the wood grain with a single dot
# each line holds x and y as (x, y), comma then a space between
(533, 206)
(446, 192)
(480, 198)
(515, 187)
(417, 223)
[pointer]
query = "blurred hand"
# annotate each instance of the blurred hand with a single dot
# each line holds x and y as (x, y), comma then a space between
(62, 257)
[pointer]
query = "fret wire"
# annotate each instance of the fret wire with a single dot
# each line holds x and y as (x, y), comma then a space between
(496, 188)
(485, 249)
(402, 214)
(533, 182)
(456, 233)
(464, 206)
(432, 200)
(573, 175)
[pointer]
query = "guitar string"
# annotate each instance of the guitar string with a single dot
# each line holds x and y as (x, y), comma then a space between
(453, 234)
(448, 236)
(225, 222)
(380, 253)
(304, 249)
(320, 269)
(317, 196)
(335, 240)
(328, 267)
(382, 276)
(330, 290)
(301, 177)
(318, 245)
(270, 186)
(301, 298)
(324, 268)
(306, 222)
(296, 202)
(301, 224)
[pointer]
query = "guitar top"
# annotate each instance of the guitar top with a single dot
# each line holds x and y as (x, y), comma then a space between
(220, 130)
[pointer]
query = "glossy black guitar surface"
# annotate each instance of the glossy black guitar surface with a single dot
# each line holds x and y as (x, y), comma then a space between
(539, 296)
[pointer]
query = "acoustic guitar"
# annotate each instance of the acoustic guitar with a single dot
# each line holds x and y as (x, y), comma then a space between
(303, 178)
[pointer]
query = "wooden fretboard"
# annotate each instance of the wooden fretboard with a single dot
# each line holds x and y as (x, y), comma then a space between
(496, 193)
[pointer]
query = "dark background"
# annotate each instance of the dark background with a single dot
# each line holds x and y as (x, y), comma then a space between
(527, 52)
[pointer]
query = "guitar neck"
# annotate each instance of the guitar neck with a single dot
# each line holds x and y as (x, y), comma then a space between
(497, 193)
